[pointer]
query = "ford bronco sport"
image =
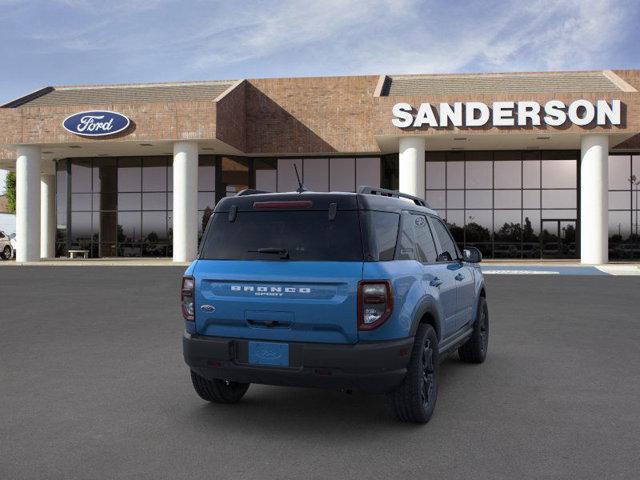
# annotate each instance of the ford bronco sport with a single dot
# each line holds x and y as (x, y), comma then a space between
(356, 291)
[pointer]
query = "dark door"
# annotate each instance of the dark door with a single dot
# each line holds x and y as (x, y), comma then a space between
(558, 238)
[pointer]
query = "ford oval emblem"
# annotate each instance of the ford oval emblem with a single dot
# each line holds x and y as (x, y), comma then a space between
(96, 123)
(207, 308)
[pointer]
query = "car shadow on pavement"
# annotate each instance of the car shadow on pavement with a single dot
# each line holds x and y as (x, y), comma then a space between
(309, 410)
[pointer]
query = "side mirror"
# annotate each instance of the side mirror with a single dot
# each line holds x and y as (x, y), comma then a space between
(444, 257)
(472, 255)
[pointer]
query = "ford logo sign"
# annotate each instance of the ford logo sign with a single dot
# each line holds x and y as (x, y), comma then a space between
(96, 124)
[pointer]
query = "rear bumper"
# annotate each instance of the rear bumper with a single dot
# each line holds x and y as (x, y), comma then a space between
(373, 367)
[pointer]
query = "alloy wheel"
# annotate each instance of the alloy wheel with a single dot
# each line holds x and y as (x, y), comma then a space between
(428, 373)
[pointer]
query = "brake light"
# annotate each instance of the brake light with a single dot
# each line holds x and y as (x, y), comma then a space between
(284, 204)
(187, 298)
(375, 303)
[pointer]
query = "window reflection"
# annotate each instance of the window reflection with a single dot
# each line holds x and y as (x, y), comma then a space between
(507, 174)
(316, 174)
(80, 175)
(624, 201)
(500, 210)
(368, 171)
(559, 174)
(129, 174)
(342, 175)
(266, 174)
(154, 174)
(435, 172)
(479, 174)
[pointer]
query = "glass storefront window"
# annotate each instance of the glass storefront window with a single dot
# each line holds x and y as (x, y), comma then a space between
(266, 174)
(367, 171)
(122, 206)
(507, 174)
(531, 174)
(154, 201)
(531, 198)
(129, 174)
(479, 174)
(81, 175)
(342, 175)
(559, 174)
(316, 174)
(506, 196)
(154, 174)
(455, 198)
(624, 202)
(507, 199)
(619, 172)
(478, 199)
(455, 174)
(436, 175)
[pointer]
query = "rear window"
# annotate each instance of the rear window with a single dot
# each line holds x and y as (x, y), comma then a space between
(304, 235)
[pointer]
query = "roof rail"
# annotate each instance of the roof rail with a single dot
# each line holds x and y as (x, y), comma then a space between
(250, 191)
(365, 190)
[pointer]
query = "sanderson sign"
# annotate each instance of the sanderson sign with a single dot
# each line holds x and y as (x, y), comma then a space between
(96, 123)
(507, 114)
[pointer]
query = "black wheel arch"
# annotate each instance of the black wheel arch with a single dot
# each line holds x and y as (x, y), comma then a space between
(427, 313)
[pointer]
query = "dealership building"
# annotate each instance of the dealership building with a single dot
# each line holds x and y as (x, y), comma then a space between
(521, 165)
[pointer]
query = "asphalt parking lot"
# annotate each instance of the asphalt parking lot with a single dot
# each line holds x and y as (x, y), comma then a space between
(92, 385)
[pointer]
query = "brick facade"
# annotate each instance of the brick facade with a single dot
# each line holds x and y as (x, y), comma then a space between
(287, 116)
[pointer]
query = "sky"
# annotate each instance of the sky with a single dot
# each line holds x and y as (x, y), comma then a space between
(71, 42)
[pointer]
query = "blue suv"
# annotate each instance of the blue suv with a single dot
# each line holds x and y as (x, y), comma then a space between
(355, 291)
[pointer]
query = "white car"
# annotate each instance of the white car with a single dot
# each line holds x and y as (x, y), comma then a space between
(7, 245)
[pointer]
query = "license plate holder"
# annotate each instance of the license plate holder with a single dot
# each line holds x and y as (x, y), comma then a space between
(269, 353)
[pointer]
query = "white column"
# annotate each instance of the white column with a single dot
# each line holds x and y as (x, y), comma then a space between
(411, 159)
(185, 201)
(48, 212)
(594, 209)
(28, 203)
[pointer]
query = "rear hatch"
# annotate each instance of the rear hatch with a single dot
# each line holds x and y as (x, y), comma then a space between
(284, 269)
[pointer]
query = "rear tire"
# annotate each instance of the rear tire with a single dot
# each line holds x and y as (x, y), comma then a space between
(7, 253)
(475, 349)
(218, 391)
(415, 399)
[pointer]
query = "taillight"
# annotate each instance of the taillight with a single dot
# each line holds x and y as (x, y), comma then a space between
(186, 298)
(375, 303)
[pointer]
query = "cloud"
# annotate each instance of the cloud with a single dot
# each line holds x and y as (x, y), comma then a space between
(83, 41)
(291, 25)
(540, 35)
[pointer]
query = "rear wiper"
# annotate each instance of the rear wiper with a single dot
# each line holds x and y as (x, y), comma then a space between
(283, 252)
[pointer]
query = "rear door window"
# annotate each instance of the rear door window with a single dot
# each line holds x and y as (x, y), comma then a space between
(303, 234)
(425, 246)
(448, 250)
(406, 241)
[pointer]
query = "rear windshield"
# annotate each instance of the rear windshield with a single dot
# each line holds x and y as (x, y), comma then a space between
(294, 235)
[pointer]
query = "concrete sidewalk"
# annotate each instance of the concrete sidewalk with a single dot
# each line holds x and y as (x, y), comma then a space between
(99, 262)
(495, 267)
(489, 267)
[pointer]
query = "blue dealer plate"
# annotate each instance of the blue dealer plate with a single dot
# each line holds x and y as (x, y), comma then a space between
(267, 353)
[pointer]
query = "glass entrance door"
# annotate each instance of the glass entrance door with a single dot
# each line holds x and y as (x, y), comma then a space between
(558, 238)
